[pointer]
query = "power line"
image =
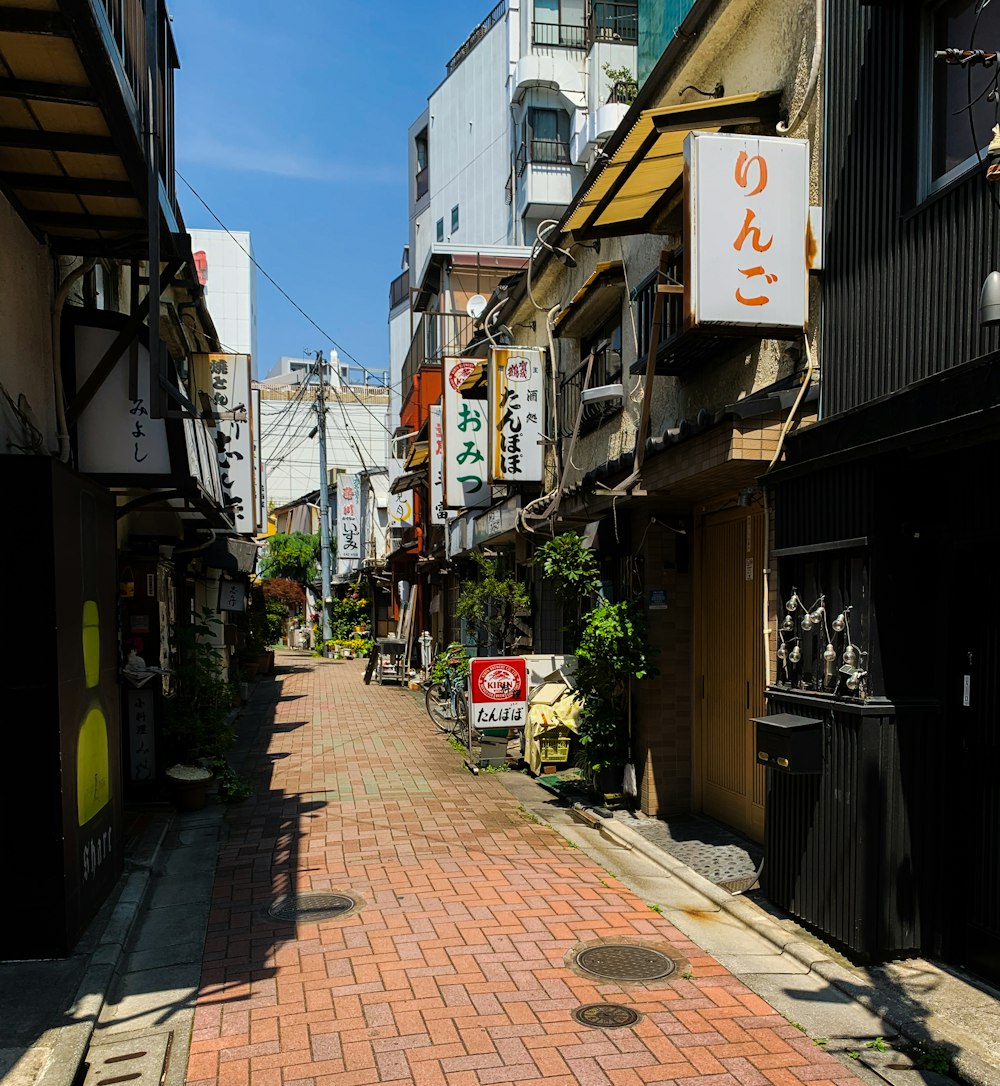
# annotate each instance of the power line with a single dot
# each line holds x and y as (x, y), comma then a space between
(295, 305)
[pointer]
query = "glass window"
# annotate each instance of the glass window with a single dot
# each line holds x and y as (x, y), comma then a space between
(454, 219)
(439, 231)
(546, 11)
(950, 122)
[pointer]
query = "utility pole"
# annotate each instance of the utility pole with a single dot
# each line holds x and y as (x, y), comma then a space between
(324, 505)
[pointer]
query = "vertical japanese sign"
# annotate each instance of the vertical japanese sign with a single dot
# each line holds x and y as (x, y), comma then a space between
(466, 441)
(516, 398)
(115, 434)
(401, 510)
(348, 521)
(139, 709)
(439, 511)
(748, 215)
(225, 378)
(260, 484)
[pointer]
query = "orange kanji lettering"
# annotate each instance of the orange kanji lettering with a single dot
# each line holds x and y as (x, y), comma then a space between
(742, 172)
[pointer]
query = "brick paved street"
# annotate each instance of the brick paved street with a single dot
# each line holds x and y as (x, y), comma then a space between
(456, 968)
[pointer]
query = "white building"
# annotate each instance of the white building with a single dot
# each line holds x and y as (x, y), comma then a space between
(229, 275)
(357, 426)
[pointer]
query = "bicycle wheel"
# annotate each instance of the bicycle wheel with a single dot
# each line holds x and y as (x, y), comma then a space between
(438, 705)
(461, 728)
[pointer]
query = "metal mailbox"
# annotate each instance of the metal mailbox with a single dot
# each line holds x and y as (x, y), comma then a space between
(789, 743)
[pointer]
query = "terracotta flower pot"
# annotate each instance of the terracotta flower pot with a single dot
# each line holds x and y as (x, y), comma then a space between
(188, 787)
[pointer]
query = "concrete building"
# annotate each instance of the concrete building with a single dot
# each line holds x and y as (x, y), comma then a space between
(229, 276)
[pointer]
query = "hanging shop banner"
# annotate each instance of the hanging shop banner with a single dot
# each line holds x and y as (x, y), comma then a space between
(466, 444)
(260, 486)
(516, 399)
(748, 217)
(401, 509)
(225, 379)
(498, 692)
(439, 511)
(348, 519)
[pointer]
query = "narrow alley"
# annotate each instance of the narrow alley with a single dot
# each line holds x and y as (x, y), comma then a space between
(458, 962)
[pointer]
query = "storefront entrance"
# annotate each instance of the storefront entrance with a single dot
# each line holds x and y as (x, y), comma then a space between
(729, 669)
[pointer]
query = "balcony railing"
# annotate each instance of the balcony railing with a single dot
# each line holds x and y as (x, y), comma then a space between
(564, 35)
(613, 21)
(437, 334)
(605, 370)
(125, 32)
(546, 152)
(477, 35)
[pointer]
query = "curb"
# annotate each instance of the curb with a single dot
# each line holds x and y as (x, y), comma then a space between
(74, 1038)
(966, 1066)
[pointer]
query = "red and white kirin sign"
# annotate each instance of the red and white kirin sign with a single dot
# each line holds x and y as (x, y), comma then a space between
(498, 692)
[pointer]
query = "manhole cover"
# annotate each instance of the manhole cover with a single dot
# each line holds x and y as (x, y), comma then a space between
(311, 906)
(622, 961)
(606, 1016)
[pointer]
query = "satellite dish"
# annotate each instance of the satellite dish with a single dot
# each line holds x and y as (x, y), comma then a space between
(475, 306)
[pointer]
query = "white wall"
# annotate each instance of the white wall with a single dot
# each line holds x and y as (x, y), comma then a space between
(469, 153)
(231, 289)
(26, 276)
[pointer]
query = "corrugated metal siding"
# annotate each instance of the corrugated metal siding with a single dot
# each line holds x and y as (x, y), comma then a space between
(901, 289)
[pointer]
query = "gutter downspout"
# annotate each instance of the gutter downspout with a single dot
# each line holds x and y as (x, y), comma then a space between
(62, 429)
(784, 129)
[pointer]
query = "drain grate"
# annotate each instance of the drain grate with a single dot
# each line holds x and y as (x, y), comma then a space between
(623, 961)
(739, 886)
(313, 905)
(606, 1016)
(139, 1063)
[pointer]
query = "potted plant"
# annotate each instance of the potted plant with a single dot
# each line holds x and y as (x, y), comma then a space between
(491, 602)
(196, 725)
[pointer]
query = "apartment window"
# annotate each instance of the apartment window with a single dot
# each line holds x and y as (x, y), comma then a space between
(454, 219)
(948, 144)
(559, 22)
(421, 155)
(439, 230)
(546, 135)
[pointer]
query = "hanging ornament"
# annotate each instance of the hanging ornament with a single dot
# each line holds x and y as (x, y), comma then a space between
(850, 656)
(789, 624)
(807, 622)
(829, 664)
(795, 655)
(782, 652)
(792, 602)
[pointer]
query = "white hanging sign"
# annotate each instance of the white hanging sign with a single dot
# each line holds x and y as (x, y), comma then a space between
(439, 511)
(348, 519)
(748, 216)
(516, 398)
(466, 444)
(225, 378)
(401, 509)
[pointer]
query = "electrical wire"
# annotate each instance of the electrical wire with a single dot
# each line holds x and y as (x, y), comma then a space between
(295, 305)
(972, 123)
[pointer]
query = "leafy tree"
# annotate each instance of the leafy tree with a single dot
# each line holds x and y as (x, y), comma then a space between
(295, 557)
(491, 602)
(624, 85)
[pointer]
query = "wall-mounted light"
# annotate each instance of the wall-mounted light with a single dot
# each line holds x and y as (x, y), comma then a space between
(989, 300)
(602, 392)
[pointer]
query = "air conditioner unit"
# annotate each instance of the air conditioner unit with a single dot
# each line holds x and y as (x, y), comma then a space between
(602, 392)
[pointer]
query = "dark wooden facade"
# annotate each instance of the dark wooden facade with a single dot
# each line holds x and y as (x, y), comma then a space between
(891, 506)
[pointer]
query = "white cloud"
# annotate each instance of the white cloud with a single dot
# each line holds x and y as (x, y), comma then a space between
(282, 162)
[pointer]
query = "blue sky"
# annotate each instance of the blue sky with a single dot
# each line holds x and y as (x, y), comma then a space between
(291, 122)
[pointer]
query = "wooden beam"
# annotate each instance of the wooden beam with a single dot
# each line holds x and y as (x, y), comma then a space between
(35, 91)
(73, 186)
(129, 331)
(82, 221)
(35, 139)
(32, 21)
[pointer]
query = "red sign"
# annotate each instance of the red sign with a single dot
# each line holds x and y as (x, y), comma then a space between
(498, 689)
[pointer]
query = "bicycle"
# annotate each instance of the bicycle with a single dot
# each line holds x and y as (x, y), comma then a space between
(445, 698)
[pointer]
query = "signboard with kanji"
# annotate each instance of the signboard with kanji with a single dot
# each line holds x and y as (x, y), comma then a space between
(516, 401)
(439, 511)
(401, 509)
(225, 380)
(498, 692)
(466, 441)
(348, 521)
(748, 216)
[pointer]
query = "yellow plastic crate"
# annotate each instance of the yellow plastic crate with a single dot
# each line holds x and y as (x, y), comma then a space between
(554, 748)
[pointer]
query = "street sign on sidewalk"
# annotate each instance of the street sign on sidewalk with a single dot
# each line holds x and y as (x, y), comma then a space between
(498, 692)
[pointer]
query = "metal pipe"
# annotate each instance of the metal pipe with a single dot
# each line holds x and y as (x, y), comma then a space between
(784, 129)
(62, 427)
